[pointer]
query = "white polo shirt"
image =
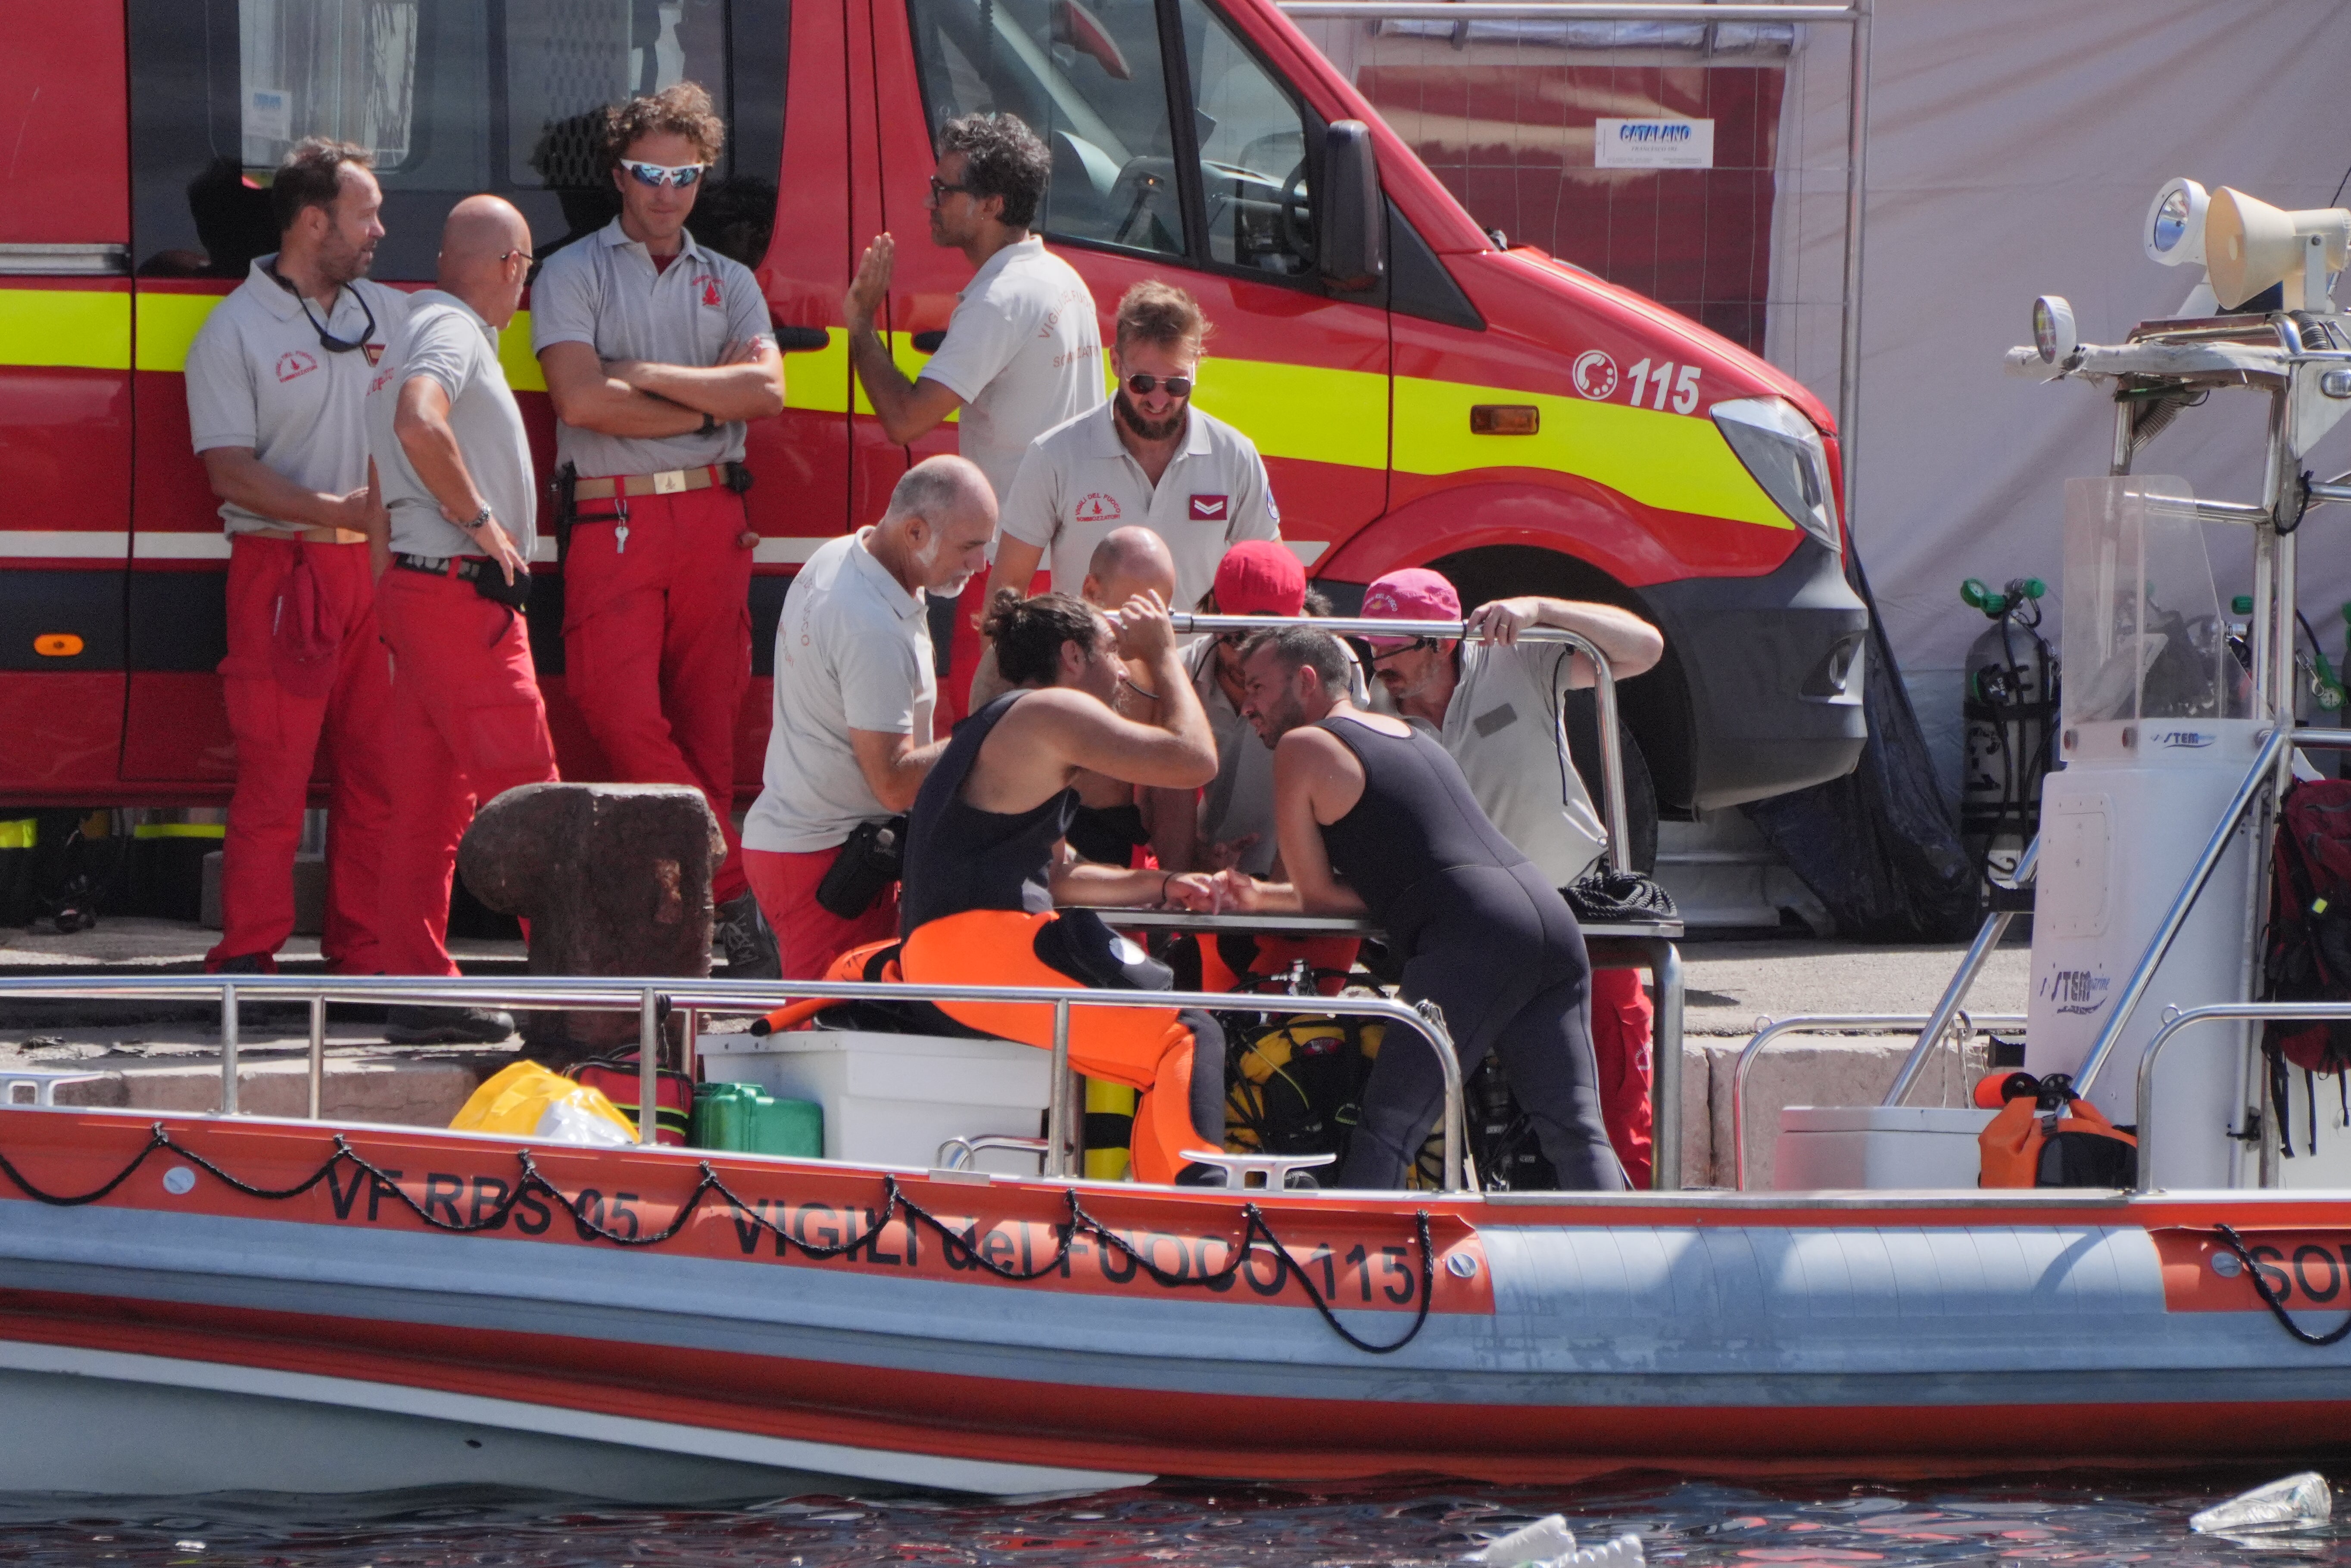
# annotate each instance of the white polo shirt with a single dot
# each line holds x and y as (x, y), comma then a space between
(1078, 482)
(605, 291)
(853, 652)
(445, 341)
(257, 376)
(1024, 353)
(1504, 727)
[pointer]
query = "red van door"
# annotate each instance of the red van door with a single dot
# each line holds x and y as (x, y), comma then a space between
(1178, 153)
(65, 407)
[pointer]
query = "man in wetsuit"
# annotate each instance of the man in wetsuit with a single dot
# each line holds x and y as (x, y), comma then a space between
(985, 868)
(1375, 818)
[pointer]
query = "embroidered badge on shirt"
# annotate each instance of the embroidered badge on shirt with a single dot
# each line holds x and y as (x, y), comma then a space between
(295, 362)
(710, 295)
(1097, 508)
(374, 352)
(1209, 508)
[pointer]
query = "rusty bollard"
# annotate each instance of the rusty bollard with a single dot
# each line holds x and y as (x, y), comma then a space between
(614, 879)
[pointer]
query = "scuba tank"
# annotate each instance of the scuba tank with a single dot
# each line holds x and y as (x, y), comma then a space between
(2010, 705)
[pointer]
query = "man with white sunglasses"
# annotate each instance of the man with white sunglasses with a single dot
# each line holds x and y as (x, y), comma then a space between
(657, 352)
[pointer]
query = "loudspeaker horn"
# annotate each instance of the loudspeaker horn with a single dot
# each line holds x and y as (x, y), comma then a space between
(2250, 245)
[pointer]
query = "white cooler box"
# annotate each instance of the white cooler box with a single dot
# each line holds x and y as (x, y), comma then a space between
(892, 1099)
(1845, 1147)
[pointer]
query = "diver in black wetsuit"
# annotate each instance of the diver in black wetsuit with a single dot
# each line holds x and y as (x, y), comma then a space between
(1375, 818)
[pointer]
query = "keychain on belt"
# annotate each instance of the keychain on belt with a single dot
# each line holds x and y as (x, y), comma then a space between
(621, 511)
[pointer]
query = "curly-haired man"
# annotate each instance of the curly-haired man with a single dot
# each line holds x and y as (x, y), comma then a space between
(1023, 349)
(657, 351)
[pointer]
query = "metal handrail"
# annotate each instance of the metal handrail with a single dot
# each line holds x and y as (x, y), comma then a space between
(1604, 686)
(2265, 768)
(1825, 1023)
(1963, 981)
(2228, 1012)
(643, 994)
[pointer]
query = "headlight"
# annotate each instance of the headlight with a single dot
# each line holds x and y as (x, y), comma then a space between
(1785, 455)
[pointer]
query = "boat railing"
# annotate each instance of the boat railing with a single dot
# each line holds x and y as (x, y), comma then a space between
(650, 996)
(1604, 686)
(1772, 1032)
(2007, 902)
(2177, 1021)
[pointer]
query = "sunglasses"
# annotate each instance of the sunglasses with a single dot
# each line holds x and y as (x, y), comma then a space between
(1142, 385)
(327, 340)
(1379, 657)
(659, 174)
(941, 191)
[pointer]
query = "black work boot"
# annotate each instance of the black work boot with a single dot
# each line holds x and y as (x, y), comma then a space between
(742, 933)
(447, 1025)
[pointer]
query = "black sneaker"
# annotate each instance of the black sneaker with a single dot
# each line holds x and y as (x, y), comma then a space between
(447, 1025)
(742, 933)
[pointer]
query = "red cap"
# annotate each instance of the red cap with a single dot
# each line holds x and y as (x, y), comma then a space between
(1261, 577)
(1415, 593)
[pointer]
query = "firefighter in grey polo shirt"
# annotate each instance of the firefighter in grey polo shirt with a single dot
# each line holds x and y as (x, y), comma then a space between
(657, 351)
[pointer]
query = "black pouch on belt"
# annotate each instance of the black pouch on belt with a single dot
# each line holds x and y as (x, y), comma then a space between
(868, 863)
(565, 478)
(492, 585)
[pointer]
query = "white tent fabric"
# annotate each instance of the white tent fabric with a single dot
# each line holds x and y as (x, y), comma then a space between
(2013, 148)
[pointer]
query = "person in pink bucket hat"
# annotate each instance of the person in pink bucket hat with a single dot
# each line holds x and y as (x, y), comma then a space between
(1496, 706)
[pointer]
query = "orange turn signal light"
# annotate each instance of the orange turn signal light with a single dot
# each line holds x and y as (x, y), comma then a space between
(56, 645)
(1504, 419)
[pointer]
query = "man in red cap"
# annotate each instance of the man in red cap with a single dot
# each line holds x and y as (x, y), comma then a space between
(1230, 823)
(1496, 705)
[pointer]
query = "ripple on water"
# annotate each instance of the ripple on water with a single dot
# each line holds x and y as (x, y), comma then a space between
(2100, 1520)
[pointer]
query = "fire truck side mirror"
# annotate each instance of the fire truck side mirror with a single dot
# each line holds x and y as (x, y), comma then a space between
(1352, 219)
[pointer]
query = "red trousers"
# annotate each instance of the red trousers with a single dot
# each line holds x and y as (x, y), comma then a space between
(657, 645)
(467, 725)
(1621, 1017)
(278, 733)
(809, 936)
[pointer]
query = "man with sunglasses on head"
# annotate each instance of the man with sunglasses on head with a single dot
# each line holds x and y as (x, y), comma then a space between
(657, 352)
(1147, 458)
(1022, 351)
(275, 382)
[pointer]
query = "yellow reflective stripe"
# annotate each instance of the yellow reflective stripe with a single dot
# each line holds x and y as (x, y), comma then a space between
(179, 830)
(168, 324)
(818, 381)
(83, 328)
(909, 359)
(1301, 411)
(1676, 462)
(521, 365)
(22, 834)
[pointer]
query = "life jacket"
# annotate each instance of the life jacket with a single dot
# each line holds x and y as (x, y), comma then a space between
(2308, 957)
(2045, 1135)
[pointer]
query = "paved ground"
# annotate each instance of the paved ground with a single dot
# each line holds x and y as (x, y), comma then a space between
(1727, 984)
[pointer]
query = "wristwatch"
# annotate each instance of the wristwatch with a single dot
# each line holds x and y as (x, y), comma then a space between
(709, 423)
(476, 520)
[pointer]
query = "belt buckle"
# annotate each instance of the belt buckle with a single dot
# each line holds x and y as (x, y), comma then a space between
(670, 481)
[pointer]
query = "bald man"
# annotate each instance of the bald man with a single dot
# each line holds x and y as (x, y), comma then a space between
(849, 741)
(467, 722)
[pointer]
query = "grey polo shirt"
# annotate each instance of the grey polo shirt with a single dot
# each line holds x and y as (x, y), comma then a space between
(853, 652)
(1024, 353)
(605, 291)
(445, 341)
(259, 379)
(1078, 482)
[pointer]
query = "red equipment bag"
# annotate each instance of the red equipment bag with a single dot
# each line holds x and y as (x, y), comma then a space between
(673, 1094)
(2306, 956)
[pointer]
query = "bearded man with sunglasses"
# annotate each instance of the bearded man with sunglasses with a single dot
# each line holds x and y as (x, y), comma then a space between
(657, 353)
(1145, 459)
(276, 380)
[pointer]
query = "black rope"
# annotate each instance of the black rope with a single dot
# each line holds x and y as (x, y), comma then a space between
(2270, 1298)
(961, 1248)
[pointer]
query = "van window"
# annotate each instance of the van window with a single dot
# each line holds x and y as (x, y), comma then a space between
(1253, 152)
(452, 97)
(1087, 76)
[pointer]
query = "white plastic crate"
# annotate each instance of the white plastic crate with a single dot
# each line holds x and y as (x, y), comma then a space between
(1845, 1147)
(892, 1099)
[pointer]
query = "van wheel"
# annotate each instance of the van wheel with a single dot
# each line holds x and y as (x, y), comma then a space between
(1640, 789)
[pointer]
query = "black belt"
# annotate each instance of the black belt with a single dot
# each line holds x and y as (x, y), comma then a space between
(479, 570)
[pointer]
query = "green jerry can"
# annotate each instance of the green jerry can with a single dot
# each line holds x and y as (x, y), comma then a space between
(742, 1118)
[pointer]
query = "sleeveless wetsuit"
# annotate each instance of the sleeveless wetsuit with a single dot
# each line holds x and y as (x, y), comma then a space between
(977, 910)
(1487, 938)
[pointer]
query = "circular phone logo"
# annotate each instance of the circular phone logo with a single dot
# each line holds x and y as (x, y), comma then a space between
(1595, 374)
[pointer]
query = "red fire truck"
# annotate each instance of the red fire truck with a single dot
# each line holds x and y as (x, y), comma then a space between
(1421, 395)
